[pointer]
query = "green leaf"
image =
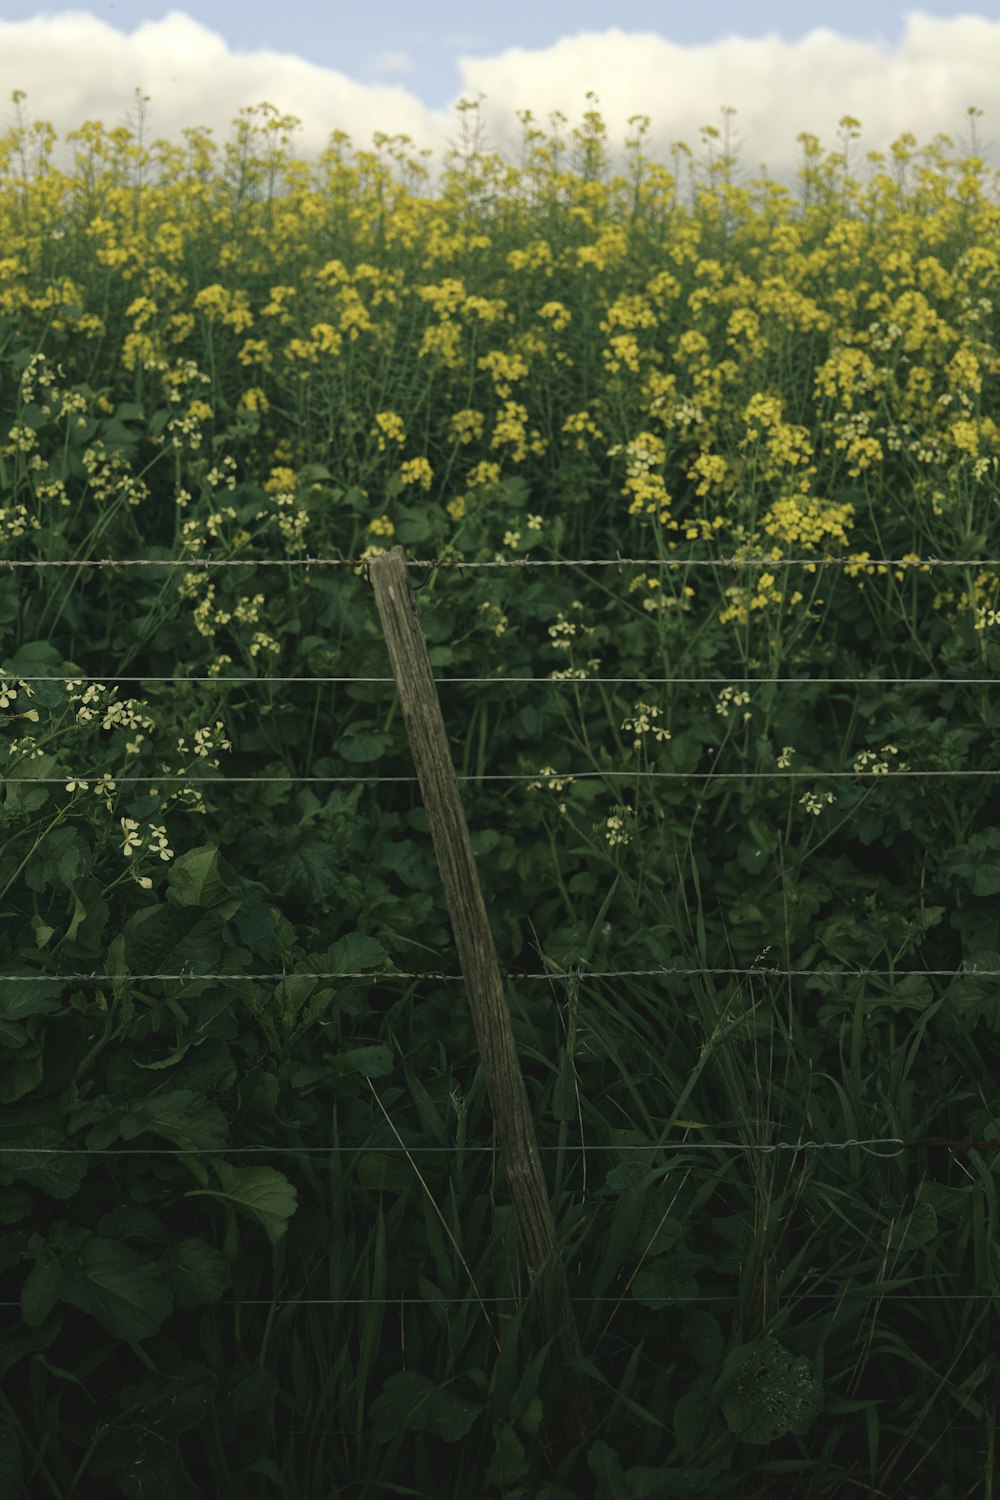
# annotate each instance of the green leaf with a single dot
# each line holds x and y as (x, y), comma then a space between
(371, 1062)
(172, 935)
(20, 798)
(380, 1174)
(774, 1393)
(115, 1285)
(606, 1466)
(39, 1293)
(20, 1072)
(59, 1176)
(411, 1403)
(198, 1273)
(264, 1195)
(37, 997)
(352, 954)
(658, 1283)
(704, 1336)
(508, 1463)
(250, 1391)
(309, 871)
(181, 1116)
(362, 748)
(978, 862)
(61, 855)
(203, 878)
(15, 1205)
(919, 1227)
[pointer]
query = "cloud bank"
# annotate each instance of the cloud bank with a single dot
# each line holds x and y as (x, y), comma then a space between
(74, 67)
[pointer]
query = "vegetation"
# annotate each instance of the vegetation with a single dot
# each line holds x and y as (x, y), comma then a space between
(735, 808)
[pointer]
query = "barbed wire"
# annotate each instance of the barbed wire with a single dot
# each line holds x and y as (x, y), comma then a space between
(548, 776)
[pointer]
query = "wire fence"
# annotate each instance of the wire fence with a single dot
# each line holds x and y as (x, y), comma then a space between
(458, 564)
(575, 974)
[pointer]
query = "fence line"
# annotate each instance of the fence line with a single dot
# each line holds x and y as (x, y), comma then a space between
(549, 776)
(577, 974)
(667, 1298)
(966, 1144)
(508, 562)
(558, 681)
(865, 1144)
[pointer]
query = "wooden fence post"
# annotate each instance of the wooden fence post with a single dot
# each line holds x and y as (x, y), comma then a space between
(477, 953)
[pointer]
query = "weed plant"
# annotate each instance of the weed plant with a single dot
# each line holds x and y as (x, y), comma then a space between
(738, 834)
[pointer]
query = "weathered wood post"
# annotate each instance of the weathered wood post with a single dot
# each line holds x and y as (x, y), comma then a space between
(477, 953)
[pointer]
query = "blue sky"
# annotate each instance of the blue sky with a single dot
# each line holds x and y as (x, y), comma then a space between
(785, 67)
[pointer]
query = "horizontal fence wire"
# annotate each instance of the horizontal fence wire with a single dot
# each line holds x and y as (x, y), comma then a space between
(573, 973)
(967, 1143)
(602, 1301)
(456, 564)
(549, 776)
(521, 681)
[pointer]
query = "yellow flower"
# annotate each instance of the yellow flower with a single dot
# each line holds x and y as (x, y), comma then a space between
(417, 471)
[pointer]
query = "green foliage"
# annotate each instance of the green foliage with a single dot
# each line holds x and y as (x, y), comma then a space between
(254, 1234)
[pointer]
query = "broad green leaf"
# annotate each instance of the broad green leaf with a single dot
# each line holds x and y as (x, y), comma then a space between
(703, 1336)
(309, 871)
(203, 878)
(410, 1402)
(198, 1273)
(20, 1072)
(14, 1346)
(160, 939)
(39, 1293)
(39, 659)
(59, 1175)
(35, 997)
(944, 1199)
(61, 856)
(659, 1283)
(43, 932)
(774, 1393)
(372, 1062)
(263, 1194)
(508, 1463)
(250, 1391)
(128, 1221)
(20, 796)
(918, 1228)
(15, 1205)
(380, 1174)
(353, 954)
(364, 749)
(115, 1285)
(607, 1469)
(180, 1116)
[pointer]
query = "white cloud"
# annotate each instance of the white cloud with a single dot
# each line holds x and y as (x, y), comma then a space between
(778, 88)
(74, 66)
